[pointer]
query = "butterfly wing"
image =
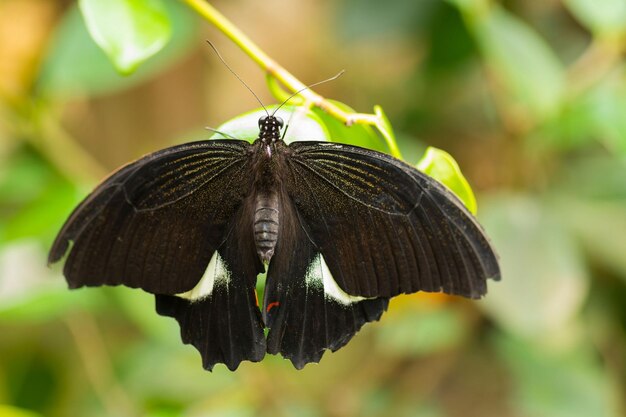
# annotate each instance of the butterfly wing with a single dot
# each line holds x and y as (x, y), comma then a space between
(176, 223)
(304, 309)
(221, 318)
(155, 223)
(383, 227)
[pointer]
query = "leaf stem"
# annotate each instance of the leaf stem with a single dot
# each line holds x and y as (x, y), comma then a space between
(276, 71)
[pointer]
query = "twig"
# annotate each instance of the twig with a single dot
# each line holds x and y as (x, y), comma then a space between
(275, 70)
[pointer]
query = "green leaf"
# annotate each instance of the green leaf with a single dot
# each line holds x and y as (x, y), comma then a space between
(607, 107)
(301, 124)
(522, 60)
(604, 17)
(74, 65)
(129, 31)
(545, 282)
(386, 124)
(441, 166)
(471, 7)
(279, 92)
(357, 134)
(386, 131)
(9, 411)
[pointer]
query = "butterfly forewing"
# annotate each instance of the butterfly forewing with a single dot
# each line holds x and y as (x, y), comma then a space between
(156, 223)
(383, 227)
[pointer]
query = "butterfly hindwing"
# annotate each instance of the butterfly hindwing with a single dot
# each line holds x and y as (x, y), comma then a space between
(385, 228)
(155, 223)
(220, 316)
(304, 308)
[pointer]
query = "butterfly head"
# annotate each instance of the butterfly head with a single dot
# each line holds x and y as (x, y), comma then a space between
(270, 127)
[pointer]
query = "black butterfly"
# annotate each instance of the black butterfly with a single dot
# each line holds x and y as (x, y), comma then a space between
(341, 228)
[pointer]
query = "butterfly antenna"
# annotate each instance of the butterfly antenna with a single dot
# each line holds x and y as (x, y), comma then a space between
(287, 125)
(224, 134)
(238, 77)
(334, 77)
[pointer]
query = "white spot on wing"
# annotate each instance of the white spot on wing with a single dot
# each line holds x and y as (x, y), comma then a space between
(215, 273)
(318, 274)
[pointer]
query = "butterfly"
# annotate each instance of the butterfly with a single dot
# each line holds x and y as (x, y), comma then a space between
(339, 229)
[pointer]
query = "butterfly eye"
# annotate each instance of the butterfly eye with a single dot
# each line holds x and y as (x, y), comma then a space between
(280, 122)
(262, 120)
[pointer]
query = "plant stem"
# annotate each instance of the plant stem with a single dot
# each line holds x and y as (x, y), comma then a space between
(276, 71)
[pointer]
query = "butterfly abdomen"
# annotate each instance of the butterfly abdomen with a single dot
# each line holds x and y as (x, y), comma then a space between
(266, 218)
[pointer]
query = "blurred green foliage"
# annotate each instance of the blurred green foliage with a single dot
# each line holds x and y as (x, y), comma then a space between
(76, 66)
(528, 96)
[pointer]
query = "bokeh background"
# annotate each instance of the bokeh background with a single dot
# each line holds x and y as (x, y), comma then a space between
(528, 96)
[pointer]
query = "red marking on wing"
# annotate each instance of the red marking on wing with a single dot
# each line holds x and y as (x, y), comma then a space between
(256, 298)
(272, 305)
